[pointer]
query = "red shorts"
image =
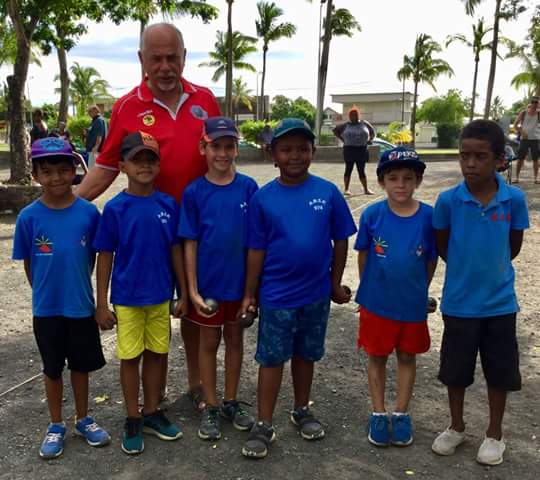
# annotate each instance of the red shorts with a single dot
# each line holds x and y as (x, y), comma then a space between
(226, 313)
(379, 336)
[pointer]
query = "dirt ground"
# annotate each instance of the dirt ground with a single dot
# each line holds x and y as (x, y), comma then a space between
(340, 393)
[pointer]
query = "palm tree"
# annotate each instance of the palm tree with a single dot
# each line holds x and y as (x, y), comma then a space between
(478, 46)
(85, 86)
(242, 45)
(497, 109)
(529, 77)
(241, 95)
(8, 47)
(269, 31)
(230, 62)
(423, 68)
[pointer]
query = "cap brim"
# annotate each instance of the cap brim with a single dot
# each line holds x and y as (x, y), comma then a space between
(219, 134)
(129, 155)
(417, 165)
(52, 155)
(305, 131)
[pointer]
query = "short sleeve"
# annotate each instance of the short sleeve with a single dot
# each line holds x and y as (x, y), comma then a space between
(441, 213)
(22, 242)
(106, 239)
(431, 244)
(342, 226)
(175, 212)
(520, 212)
(363, 239)
(256, 231)
(189, 224)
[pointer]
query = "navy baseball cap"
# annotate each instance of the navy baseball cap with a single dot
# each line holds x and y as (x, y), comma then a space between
(136, 142)
(400, 157)
(53, 149)
(217, 127)
(289, 125)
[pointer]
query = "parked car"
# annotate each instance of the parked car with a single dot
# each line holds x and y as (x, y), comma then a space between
(383, 145)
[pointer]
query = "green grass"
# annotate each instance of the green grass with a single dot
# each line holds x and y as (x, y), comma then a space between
(437, 151)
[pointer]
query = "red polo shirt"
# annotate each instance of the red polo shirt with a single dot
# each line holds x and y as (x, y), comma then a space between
(178, 133)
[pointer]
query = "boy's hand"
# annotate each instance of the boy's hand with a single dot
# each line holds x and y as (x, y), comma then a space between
(247, 312)
(180, 307)
(200, 307)
(105, 318)
(341, 294)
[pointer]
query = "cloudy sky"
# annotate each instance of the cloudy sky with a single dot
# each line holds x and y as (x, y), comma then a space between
(365, 63)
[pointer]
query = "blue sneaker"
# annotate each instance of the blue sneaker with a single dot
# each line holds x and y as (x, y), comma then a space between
(53, 444)
(132, 441)
(159, 425)
(379, 430)
(95, 435)
(402, 434)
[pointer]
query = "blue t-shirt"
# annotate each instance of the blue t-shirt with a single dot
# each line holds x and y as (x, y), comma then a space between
(216, 217)
(141, 232)
(296, 226)
(395, 281)
(479, 279)
(58, 243)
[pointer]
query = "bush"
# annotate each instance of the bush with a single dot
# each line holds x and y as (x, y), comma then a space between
(76, 127)
(396, 134)
(327, 138)
(251, 130)
(448, 134)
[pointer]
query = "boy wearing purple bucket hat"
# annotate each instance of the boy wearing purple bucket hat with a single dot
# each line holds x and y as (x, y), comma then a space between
(54, 236)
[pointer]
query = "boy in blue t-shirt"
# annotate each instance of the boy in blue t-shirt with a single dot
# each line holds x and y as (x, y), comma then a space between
(298, 230)
(396, 261)
(213, 226)
(479, 229)
(54, 237)
(136, 240)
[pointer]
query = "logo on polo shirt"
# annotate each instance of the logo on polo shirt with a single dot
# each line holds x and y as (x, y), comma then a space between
(318, 204)
(419, 251)
(243, 207)
(83, 241)
(164, 217)
(501, 217)
(380, 246)
(44, 246)
(198, 112)
(149, 120)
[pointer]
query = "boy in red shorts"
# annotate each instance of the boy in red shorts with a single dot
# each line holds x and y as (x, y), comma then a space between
(396, 260)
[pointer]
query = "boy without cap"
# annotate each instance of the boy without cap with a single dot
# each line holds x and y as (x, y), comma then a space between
(298, 230)
(479, 230)
(136, 240)
(54, 237)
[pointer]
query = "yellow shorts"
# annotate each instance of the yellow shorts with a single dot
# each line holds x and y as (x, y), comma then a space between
(142, 328)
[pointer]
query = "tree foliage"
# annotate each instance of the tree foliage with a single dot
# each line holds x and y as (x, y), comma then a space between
(283, 107)
(450, 108)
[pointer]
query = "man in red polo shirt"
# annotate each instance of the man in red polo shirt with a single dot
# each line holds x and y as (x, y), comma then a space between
(173, 111)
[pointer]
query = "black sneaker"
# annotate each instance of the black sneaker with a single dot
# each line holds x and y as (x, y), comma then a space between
(210, 428)
(241, 419)
(260, 437)
(309, 427)
(132, 440)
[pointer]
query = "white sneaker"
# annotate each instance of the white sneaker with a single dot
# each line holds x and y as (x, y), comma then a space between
(491, 451)
(446, 443)
(347, 193)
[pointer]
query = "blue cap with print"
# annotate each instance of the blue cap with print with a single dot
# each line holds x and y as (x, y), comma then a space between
(288, 125)
(400, 157)
(217, 127)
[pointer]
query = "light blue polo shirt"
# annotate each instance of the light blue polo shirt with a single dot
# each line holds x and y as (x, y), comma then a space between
(479, 280)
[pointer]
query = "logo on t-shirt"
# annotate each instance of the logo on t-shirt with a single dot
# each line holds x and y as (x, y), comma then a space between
(380, 246)
(83, 241)
(198, 112)
(502, 217)
(318, 204)
(149, 120)
(44, 245)
(243, 207)
(419, 251)
(164, 217)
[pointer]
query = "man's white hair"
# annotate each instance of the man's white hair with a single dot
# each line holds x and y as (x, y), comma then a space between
(149, 29)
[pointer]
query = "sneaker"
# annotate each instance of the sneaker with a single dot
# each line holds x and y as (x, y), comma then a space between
(260, 437)
(491, 451)
(347, 193)
(241, 419)
(309, 427)
(402, 434)
(210, 427)
(53, 443)
(379, 430)
(159, 425)
(95, 435)
(132, 440)
(447, 442)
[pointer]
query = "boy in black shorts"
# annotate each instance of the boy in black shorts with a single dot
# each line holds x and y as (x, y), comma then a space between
(54, 237)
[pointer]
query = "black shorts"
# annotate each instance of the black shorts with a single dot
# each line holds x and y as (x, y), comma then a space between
(76, 340)
(355, 156)
(495, 339)
(525, 145)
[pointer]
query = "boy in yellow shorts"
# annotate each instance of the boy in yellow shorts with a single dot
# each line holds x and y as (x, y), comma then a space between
(136, 240)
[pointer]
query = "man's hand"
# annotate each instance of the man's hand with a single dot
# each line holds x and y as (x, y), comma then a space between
(341, 294)
(105, 318)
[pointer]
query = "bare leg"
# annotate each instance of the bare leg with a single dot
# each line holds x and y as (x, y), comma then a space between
(54, 389)
(456, 397)
(234, 351)
(406, 375)
(190, 334)
(497, 404)
(363, 181)
(79, 384)
(302, 376)
(535, 170)
(163, 379)
(151, 380)
(210, 337)
(519, 166)
(377, 381)
(267, 391)
(129, 377)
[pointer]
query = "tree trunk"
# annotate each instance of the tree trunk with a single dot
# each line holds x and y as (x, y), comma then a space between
(473, 99)
(413, 114)
(229, 70)
(142, 26)
(323, 68)
(64, 85)
(263, 109)
(493, 66)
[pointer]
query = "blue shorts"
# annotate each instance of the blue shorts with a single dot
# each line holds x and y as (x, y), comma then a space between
(288, 332)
